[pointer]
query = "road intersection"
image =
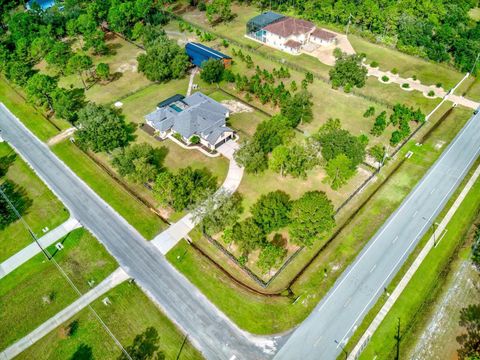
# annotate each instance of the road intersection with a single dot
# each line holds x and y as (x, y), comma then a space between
(321, 335)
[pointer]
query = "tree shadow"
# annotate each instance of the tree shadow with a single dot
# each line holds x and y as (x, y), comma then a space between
(83, 352)
(159, 155)
(5, 163)
(144, 347)
(18, 198)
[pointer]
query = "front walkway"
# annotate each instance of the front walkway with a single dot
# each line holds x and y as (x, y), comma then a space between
(179, 230)
(114, 279)
(413, 268)
(33, 249)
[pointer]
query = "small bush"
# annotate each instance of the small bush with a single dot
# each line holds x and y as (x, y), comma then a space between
(374, 64)
(405, 86)
(202, 6)
(178, 136)
(439, 85)
(414, 77)
(385, 78)
(431, 93)
(225, 43)
(195, 140)
(395, 71)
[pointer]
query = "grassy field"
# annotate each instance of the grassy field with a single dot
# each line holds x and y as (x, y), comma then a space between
(424, 283)
(129, 314)
(123, 64)
(248, 310)
(429, 73)
(46, 210)
(37, 290)
(137, 214)
(470, 88)
(28, 115)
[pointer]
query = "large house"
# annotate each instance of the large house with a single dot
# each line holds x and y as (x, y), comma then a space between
(195, 115)
(287, 33)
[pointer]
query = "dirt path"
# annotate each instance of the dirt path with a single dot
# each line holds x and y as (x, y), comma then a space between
(438, 340)
(60, 137)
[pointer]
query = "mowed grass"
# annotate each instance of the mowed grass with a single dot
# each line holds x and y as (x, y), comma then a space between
(46, 210)
(423, 283)
(129, 314)
(429, 73)
(25, 112)
(136, 213)
(122, 60)
(266, 315)
(37, 290)
(470, 88)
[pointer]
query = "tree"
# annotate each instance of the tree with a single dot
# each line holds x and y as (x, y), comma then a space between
(139, 163)
(348, 71)
(187, 187)
(271, 211)
(40, 88)
(298, 108)
(300, 159)
(470, 341)
(248, 235)
(163, 61)
(17, 198)
(219, 211)
(369, 112)
(380, 124)
(103, 71)
(19, 72)
(40, 47)
(83, 352)
(251, 157)
(271, 256)
(145, 346)
(101, 128)
(79, 64)
(58, 56)
(476, 247)
(219, 11)
(212, 71)
(67, 103)
(311, 216)
(339, 170)
(272, 132)
(378, 152)
(279, 159)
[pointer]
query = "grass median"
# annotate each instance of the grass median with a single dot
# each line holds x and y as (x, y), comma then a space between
(37, 290)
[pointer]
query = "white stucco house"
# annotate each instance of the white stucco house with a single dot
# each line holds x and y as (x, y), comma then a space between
(187, 117)
(287, 33)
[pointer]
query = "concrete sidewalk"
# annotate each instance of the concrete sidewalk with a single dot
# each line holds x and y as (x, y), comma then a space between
(166, 240)
(33, 249)
(413, 268)
(114, 279)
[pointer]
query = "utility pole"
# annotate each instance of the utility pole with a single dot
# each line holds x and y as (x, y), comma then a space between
(475, 63)
(342, 347)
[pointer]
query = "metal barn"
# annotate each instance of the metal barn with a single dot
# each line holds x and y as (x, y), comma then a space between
(199, 53)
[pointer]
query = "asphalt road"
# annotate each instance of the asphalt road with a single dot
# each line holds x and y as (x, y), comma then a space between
(334, 319)
(208, 329)
(326, 330)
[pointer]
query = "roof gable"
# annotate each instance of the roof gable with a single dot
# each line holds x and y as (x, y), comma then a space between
(289, 26)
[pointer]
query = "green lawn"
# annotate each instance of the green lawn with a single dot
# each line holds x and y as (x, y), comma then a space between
(248, 310)
(46, 210)
(470, 88)
(429, 73)
(129, 314)
(37, 290)
(424, 283)
(123, 63)
(26, 113)
(136, 213)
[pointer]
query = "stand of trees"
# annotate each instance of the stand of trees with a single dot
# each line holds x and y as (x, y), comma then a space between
(348, 71)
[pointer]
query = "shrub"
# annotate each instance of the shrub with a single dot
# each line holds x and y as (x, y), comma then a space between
(405, 85)
(438, 85)
(395, 71)
(225, 43)
(374, 64)
(195, 140)
(431, 93)
(385, 78)
(414, 77)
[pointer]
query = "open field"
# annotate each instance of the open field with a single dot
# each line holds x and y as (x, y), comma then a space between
(429, 73)
(470, 88)
(420, 292)
(37, 290)
(129, 314)
(123, 63)
(137, 214)
(46, 210)
(247, 309)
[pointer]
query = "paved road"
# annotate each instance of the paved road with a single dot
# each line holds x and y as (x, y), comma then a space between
(335, 318)
(209, 330)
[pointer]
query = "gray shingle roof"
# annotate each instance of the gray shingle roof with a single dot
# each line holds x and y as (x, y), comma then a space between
(202, 116)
